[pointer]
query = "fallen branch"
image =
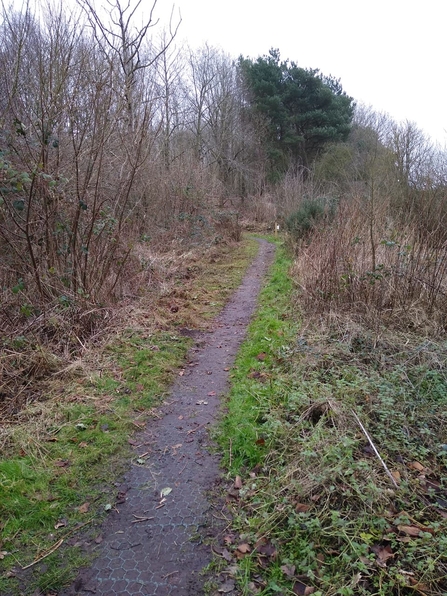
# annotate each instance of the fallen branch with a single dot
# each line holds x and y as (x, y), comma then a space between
(139, 519)
(57, 545)
(196, 429)
(375, 450)
(169, 574)
(47, 554)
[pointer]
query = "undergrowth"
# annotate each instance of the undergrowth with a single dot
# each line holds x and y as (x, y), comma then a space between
(314, 510)
(63, 452)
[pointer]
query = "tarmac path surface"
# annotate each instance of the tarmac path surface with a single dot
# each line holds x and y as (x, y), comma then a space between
(151, 543)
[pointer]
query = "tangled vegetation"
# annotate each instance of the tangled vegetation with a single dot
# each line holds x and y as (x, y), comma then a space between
(318, 507)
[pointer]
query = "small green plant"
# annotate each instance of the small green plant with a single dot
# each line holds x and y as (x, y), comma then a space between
(310, 213)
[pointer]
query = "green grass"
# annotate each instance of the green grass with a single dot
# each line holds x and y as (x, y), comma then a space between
(75, 445)
(316, 506)
(271, 331)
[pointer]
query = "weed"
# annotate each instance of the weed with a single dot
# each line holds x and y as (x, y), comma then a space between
(318, 511)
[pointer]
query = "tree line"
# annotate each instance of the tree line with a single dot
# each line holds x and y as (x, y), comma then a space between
(111, 132)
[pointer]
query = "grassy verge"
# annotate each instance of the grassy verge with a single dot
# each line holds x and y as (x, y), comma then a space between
(61, 456)
(314, 510)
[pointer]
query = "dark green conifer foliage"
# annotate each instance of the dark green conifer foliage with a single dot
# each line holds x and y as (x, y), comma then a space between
(304, 110)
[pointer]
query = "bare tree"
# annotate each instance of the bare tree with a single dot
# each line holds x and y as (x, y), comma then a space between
(121, 39)
(170, 66)
(69, 166)
(223, 140)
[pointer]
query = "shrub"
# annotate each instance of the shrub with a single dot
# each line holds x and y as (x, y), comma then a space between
(311, 212)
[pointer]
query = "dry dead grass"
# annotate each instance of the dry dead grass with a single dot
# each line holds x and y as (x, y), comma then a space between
(375, 269)
(45, 358)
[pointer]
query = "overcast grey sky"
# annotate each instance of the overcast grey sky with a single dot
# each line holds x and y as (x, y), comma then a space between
(388, 53)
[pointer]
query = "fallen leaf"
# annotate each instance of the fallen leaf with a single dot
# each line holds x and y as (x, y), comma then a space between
(98, 540)
(266, 549)
(260, 441)
(222, 552)
(383, 553)
(421, 588)
(255, 374)
(262, 356)
(416, 466)
(238, 482)
(62, 463)
(409, 530)
(212, 393)
(301, 589)
(288, 570)
(180, 417)
(228, 539)
(60, 524)
(315, 498)
(232, 570)
(181, 373)
(84, 508)
(121, 497)
(226, 369)
(321, 558)
(165, 492)
(234, 493)
(433, 484)
(83, 444)
(302, 507)
(244, 548)
(396, 475)
(227, 587)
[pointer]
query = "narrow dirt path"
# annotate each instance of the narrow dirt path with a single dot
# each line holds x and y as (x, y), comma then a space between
(152, 545)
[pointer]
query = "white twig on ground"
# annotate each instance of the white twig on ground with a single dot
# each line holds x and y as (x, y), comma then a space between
(375, 449)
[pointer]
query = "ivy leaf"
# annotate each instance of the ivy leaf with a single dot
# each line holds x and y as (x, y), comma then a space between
(19, 205)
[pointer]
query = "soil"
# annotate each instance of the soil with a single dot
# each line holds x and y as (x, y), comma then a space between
(158, 538)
